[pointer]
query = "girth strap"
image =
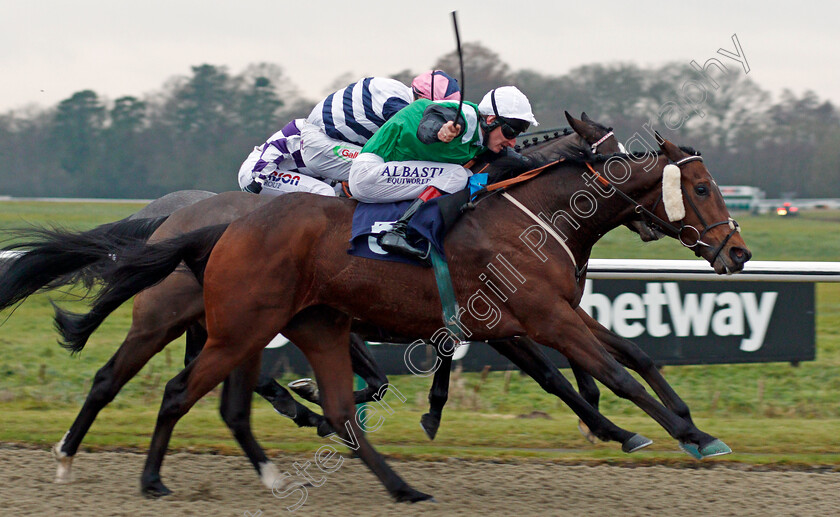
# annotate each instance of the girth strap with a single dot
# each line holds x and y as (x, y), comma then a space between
(451, 310)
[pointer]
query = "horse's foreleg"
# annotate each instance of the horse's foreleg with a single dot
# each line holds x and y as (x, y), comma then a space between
(590, 393)
(630, 355)
(438, 395)
(561, 328)
(586, 385)
(527, 356)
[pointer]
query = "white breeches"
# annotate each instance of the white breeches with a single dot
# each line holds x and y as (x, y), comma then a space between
(282, 180)
(373, 180)
(325, 156)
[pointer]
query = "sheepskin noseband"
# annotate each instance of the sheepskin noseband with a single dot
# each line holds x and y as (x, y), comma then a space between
(672, 193)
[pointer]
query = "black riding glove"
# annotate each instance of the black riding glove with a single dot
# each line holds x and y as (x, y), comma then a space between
(255, 187)
(507, 164)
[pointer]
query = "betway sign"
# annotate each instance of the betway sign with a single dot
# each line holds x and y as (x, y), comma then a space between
(701, 322)
(682, 322)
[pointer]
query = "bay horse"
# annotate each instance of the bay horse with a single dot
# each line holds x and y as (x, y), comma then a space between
(57, 258)
(154, 325)
(309, 287)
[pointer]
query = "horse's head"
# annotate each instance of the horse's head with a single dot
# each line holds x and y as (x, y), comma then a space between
(596, 138)
(694, 206)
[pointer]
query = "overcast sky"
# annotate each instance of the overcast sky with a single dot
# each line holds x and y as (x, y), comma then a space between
(50, 49)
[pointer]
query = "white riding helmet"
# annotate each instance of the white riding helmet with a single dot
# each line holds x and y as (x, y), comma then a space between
(509, 103)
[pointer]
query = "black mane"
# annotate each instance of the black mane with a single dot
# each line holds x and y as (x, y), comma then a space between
(535, 141)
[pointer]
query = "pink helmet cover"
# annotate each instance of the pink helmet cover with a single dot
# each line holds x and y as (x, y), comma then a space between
(446, 86)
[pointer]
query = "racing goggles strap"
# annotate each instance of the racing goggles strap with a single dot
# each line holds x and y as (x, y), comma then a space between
(511, 127)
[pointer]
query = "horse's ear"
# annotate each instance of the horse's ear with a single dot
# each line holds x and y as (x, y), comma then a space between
(671, 151)
(584, 117)
(659, 139)
(570, 119)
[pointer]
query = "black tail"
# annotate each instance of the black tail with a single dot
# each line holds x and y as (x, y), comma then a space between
(56, 257)
(135, 269)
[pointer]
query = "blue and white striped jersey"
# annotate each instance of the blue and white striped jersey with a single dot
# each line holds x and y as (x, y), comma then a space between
(353, 114)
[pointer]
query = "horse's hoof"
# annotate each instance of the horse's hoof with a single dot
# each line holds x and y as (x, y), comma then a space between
(154, 489)
(430, 425)
(409, 495)
(63, 473)
(306, 389)
(635, 443)
(324, 429)
(286, 410)
(586, 432)
(715, 448)
(691, 449)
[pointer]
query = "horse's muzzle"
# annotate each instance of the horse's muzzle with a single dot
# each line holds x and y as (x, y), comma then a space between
(731, 261)
(739, 256)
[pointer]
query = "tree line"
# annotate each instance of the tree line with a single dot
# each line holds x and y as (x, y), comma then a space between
(195, 131)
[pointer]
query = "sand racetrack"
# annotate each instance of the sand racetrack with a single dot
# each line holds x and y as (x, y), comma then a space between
(106, 483)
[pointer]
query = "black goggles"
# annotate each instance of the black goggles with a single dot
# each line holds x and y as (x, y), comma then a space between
(512, 127)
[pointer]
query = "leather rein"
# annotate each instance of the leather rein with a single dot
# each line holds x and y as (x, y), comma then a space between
(655, 222)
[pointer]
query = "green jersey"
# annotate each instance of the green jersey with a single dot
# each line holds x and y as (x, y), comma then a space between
(397, 139)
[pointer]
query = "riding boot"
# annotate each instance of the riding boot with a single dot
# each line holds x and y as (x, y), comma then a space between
(396, 240)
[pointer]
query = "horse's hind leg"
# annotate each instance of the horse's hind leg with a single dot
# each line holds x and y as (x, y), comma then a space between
(280, 399)
(322, 333)
(224, 351)
(196, 337)
(235, 408)
(151, 330)
(235, 404)
(125, 363)
(283, 402)
(364, 365)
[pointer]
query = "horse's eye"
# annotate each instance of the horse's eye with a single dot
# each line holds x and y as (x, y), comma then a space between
(702, 190)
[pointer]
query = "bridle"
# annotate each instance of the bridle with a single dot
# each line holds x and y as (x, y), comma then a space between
(655, 222)
(594, 147)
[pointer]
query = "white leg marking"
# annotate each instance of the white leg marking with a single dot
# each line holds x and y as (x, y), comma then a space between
(269, 475)
(65, 462)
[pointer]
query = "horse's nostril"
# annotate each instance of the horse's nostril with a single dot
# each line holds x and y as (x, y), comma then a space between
(739, 255)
